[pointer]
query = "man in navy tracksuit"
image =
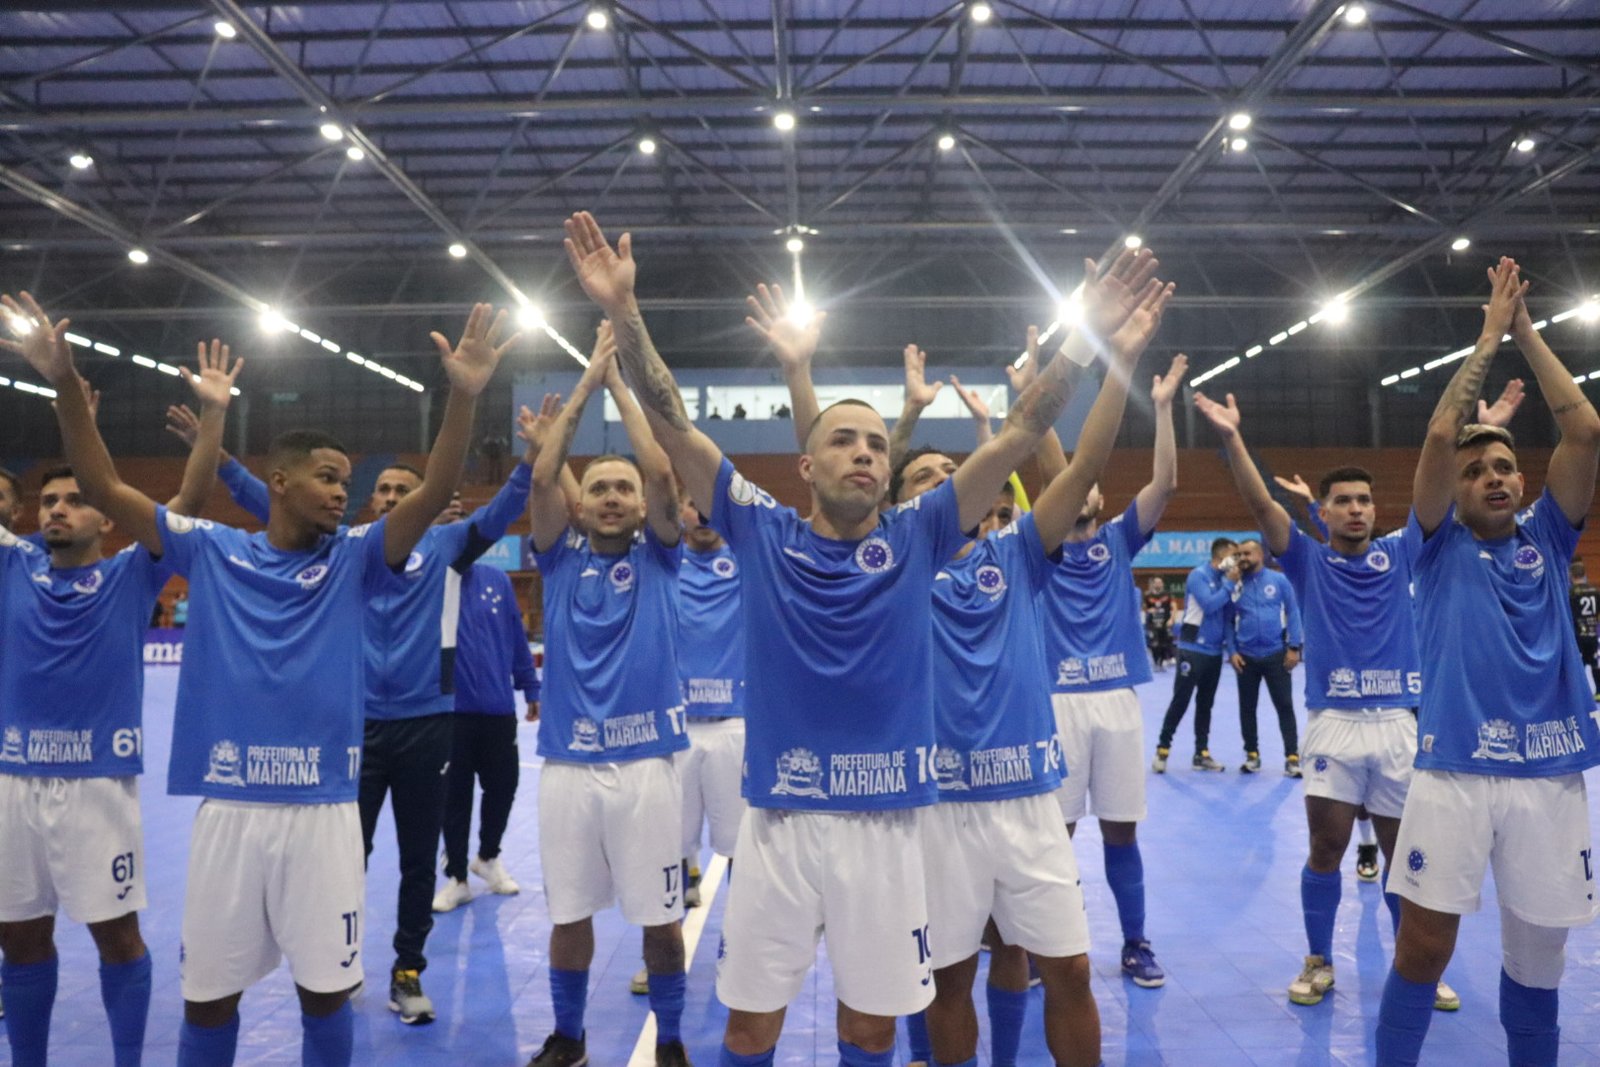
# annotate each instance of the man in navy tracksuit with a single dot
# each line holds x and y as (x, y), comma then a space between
(1263, 641)
(1206, 596)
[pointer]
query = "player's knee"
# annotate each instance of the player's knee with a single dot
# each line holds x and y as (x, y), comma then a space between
(321, 1005)
(1534, 956)
(1065, 974)
(118, 940)
(663, 947)
(211, 1014)
(29, 942)
(751, 1033)
(870, 1033)
(1119, 834)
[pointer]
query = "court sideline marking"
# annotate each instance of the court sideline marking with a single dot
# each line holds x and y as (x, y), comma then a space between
(644, 1052)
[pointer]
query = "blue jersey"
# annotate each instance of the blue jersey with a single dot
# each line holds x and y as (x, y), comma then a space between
(270, 695)
(1504, 688)
(992, 716)
(72, 672)
(492, 646)
(611, 689)
(1264, 618)
(1361, 636)
(839, 662)
(1093, 617)
(710, 633)
(1206, 596)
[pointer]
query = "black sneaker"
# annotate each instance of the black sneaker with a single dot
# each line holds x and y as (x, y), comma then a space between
(559, 1050)
(1367, 863)
(671, 1054)
(1203, 762)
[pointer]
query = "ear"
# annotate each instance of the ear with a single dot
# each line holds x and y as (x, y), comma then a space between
(277, 480)
(805, 468)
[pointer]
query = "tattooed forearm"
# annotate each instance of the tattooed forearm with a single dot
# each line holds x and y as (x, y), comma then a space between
(646, 371)
(552, 458)
(1460, 400)
(1037, 409)
(900, 438)
(1564, 408)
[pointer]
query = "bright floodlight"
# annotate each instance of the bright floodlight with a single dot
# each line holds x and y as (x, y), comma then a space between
(647, 146)
(1525, 145)
(801, 312)
(1239, 144)
(332, 132)
(458, 250)
(981, 12)
(597, 19)
(354, 154)
(1133, 240)
(1335, 312)
(1589, 311)
(1461, 244)
(1239, 120)
(20, 326)
(1070, 311)
(795, 245)
(271, 321)
(529, 317)
(225, 29)
(81, 161)
(1355, 14)
(783, 120)
(138, 256)
(946, 142)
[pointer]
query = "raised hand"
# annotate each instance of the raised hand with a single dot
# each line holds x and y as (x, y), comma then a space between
(1499, 413)
(1223, 418)
(534, 429)
(1023, 376)
(602, 369)
(1110, 298)
(918, 392)
(974, 402)
(1296, 485)
(44, 345)
(792, 343)
(471, 364)
(1164, 388)
(1506, 290)
(213, 386)
(1141, 323)
(182, 423)
(606, 275)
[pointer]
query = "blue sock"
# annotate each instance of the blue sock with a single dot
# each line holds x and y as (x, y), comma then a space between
(327, 1041)
(208, 1046)
(1125, 876)
(569, 994)
(666, 1000)
(1007, 1010)
(1529, 1016)
(125, 991)
(1392, 902)
(733, 1059)
(1403, 1019)
(30, 991)
(856, 1056)
(917, 1038)
(1319, 899)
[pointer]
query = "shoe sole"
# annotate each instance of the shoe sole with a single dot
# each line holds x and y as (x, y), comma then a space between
(1368, 878)
(1443, 1006)
(1307, 1000)
(1145, 983)
(414, 1020)
(639, 991)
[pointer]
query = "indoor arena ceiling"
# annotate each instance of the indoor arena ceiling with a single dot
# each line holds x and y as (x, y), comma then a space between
(353, 164)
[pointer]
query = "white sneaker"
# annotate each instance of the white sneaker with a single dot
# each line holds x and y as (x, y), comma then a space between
(639, 984)
(1446, 999)
(452, 896)
(495, 874)
(1316, 978)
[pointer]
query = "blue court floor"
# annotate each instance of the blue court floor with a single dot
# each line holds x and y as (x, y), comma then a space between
(1222, 857)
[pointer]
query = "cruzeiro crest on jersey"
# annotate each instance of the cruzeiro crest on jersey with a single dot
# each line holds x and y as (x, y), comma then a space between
(622, 575)
(225, 765)
(90, 583)
(585, 735)
(414, 563)
(991, 581)
(1378, 560)
(799, 775)
(312, 576)
(1099, 552)
(1529, 558)
(874, 555)
(724, 567)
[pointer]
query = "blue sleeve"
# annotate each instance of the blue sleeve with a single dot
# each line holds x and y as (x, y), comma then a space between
(938, 515)
(1210, 597)
(1127, 525)
(551, 558)
(1421, 548)
(1316, 520)
(1548, 526)
(182, 538)
(248, 491)
(1230, 630)
(489, 523)
(1029, 552)
(738, 507)
(375, 569)
(1291, 608)
(523, 673)
(670, 557)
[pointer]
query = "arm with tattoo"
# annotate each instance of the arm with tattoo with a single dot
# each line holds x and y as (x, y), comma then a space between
(1570, 477)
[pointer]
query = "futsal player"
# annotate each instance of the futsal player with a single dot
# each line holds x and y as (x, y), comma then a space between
(72, 625)
(610, 798)
(1263, 641)
(1207, 592)
(1584, 601)
(271, 738)
(837, 761)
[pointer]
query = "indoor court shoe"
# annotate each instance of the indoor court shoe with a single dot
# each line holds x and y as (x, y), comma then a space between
(691, 882)
(639, 984)
(1139, 963)
(1446, 999)
(671, 1054)
(560, 1050)
(1160, 764)
(1291, 767)
(1251, 764)
(407, 999)
(495, 875)
(1367, 863)
(1316, 978)
(1203, 762)
(452, 896)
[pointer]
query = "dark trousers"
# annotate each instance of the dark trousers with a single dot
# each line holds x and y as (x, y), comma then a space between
(1279, 688)
(1588, 647)
(408, 758)
(1197, 673)
(485, 746)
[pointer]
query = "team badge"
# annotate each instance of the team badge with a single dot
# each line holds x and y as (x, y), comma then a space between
(585, 735)
(1497, 740)
(1271, 592)
(724, 567)
(874, 556)
(224, 768)
(414, 563)
(741, 491)
(1416, 861)
(950, 769)
(90, 583)
(1342, 683)
(179, 524)
(1320, 764)
(1528, 558)
(1184, 667)
(1099, 553)
(1378, 560)
(11, 747)
(799, 775)
(991, 580)
(1071, 672)
(622, 576)
(312, 576)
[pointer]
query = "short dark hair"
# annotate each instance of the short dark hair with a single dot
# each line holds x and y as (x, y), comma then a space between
(897, 477)
(13, 480)
(1475, 434)
(408, 468)
(51, 473)
(1219, 544)
(609, 457)
(1341, 474)
(293, 446)
(849, 400)
(1577, 570)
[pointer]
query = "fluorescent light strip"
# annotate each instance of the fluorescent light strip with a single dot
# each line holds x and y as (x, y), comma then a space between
(107, 350)
(1463, 353)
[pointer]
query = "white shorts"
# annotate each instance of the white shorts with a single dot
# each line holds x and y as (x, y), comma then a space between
(272, 880)
(1360, 757)
(856, 878)
(1102, 741)
(1011, 859)
(73, 843)
(1534, 831)
(610, 833)
(711, 769)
